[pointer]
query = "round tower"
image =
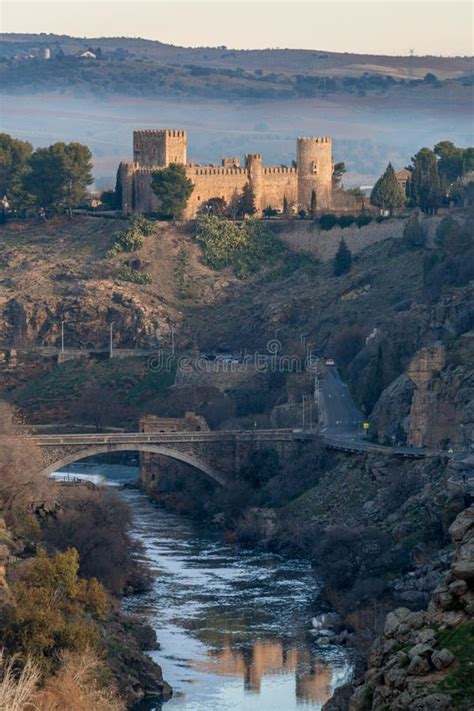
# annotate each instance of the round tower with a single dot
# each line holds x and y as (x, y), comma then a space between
(253, 163)
(125, 187)
(314, 161)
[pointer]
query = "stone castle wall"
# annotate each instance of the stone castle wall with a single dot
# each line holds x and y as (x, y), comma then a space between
(271, 186)
(210, 182)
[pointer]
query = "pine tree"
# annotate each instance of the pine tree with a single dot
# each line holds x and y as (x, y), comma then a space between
(342, 260)
(173, 189)
(387, 193)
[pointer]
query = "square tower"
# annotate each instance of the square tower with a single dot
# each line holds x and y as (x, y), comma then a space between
(159, 148)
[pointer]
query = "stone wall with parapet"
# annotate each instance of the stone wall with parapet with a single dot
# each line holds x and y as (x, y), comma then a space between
(305, 236)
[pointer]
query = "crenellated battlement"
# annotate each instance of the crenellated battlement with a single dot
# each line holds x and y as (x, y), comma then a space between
(316, 139)
(274, 170)
(272, 186)
(171, 132)
(198, 170)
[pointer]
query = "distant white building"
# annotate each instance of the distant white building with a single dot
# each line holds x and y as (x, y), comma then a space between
(46, 53)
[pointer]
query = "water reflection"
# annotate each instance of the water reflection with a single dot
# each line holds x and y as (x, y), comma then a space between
(234, 625)
(313, 679)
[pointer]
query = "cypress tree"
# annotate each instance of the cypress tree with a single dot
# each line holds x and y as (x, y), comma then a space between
(387, 193)
(342, 260)
(313, 205)
(425, 184)
(246, 202)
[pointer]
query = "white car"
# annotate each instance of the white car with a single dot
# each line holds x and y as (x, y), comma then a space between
(330, 361)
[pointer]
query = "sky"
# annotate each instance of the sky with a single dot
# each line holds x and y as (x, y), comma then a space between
(441, 27)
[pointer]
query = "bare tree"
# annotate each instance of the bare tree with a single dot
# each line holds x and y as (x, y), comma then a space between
(20, 465)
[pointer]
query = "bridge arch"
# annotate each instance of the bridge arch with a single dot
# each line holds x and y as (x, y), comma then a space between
(166, 451)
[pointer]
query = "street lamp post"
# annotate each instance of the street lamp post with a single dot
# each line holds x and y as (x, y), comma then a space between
(111, 337)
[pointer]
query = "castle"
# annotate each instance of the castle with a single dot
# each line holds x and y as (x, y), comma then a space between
(272, 186)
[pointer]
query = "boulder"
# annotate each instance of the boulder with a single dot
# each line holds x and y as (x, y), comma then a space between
(396, 678)
(462, 524)
(425, 636)
(442, 658)
(421, 650)
(419, 666)
(398, 660)
(339, 701)
(403, 702)
(463, 567)
(361, 699)
(458, 588)
(433, 702)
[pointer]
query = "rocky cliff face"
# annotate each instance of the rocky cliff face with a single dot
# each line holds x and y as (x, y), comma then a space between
(423, 660)
(62, 271)
(431, 405)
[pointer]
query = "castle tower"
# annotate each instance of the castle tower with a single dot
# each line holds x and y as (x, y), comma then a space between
(157, 149)
(314, 160)
(125, 186)
(253, 163)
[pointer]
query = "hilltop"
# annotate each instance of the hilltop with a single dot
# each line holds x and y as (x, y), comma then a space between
(272, 59)
(138, 67)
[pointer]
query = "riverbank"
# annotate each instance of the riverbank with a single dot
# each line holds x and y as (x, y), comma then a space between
(66, 557)
(234, 623)
(377, 530)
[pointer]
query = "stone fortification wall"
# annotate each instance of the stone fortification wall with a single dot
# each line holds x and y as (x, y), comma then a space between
(305, 236)
(155, 149)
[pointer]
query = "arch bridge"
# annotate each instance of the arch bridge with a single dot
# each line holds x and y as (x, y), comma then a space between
(218, 454)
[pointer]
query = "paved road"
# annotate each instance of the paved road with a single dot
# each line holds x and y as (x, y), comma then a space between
(341, 423)
(340, 416)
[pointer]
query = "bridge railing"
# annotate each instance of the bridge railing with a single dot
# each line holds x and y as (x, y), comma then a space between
(275, 435)
(153, 437)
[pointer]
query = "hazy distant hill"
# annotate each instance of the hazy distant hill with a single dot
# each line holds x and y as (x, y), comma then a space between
(377, 108)
(274, 60)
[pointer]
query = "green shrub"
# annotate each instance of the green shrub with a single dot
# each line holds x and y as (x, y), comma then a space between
(328, 221)
(53, 610)
(346, 220)
(126, 273)
(363, 219)
(133, 238)
(244, 247)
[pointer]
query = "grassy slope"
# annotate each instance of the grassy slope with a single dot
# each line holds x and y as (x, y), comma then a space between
(311, 300)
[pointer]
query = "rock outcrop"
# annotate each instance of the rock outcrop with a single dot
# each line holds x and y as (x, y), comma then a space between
(423, 659)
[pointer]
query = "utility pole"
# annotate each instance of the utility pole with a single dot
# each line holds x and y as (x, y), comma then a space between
(62, 336)
(172, 340)
(304, 402)
(317, 394)
(111, 340)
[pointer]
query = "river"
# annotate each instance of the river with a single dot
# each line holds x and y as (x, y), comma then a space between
(234, 624)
